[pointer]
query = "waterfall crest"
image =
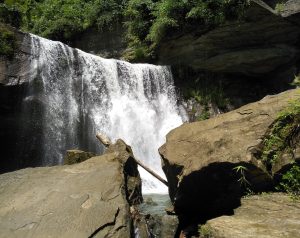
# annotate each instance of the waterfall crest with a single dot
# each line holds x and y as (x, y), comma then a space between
(83, 94)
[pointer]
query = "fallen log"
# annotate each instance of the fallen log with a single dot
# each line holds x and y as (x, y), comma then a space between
(107, 142)
(150, 171)
(103, 139)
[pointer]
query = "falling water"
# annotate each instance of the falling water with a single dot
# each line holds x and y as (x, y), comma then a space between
(83, 94)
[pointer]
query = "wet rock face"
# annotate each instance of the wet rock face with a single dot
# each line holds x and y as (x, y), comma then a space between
(210, 164)
(14, 75)
(264, 42)
(88, 199)
(268, 215)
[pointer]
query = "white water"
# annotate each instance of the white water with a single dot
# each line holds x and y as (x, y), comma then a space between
(83, 94)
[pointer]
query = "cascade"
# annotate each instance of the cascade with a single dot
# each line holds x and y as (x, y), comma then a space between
(83, 94)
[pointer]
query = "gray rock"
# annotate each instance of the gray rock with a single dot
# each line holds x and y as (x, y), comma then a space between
(17, 70)
(199, 158)
(265, 216)
(89, 199)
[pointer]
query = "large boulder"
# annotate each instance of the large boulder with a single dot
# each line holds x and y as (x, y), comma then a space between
(210, 164)
(90, 199)
(263, 42)
(268, 216)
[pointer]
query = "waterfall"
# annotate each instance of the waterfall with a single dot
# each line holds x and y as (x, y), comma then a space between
(83, 94)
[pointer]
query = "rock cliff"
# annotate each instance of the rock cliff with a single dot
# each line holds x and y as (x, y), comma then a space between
(267, 40)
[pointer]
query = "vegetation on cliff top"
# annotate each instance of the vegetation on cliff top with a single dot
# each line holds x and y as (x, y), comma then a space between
(7, 41)
(147, 22)
(63, 20)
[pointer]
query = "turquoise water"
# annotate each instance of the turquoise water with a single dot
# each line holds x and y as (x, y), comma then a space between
(155, 204)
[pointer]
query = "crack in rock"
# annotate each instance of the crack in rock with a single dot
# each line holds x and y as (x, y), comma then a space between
(105, 225)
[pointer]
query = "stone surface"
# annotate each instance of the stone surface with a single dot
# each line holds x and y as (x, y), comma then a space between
(259, 45)
(199, 158)
(17, 70)
(89, 199)
(264, 216)
(77, 156)
(108, 42)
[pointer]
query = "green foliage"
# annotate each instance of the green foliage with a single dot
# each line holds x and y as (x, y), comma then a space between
(10, 15)
(147, 21)
(296, 81)
(205, 231)
(7, 41)
(240, 170)
(204, 114)
(279, 7)
(280, 135)
(62, 19)
(205, 94)
(139, 20)
(290, 181)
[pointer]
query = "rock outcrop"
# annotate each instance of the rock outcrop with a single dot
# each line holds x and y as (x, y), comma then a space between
(89, 199)
(77, 156)
(16, 71)
(208, 164)
(266, 41)
(267, 215)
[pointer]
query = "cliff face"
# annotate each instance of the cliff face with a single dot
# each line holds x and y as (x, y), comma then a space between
(266, 41)
(236, 63)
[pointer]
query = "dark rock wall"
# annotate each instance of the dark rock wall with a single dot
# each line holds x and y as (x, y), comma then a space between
(16, 110)
(107, 43)
(243, 61)
(260, 44)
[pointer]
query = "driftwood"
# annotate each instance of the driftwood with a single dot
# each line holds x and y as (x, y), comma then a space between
(150, 171)
(103, 139)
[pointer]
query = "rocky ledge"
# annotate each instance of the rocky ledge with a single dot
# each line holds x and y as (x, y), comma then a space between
(266, 41)
(210, 164)
(90, 199)
(267, 215)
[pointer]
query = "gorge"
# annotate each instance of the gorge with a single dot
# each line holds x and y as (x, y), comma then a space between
(205, 93)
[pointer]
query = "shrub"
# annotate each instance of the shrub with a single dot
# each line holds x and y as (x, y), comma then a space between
(290, 181)
(205, 231)
(281, 133)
